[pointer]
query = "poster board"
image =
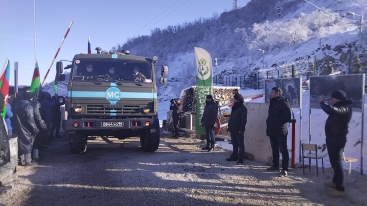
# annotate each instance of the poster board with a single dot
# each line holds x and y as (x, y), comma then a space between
(351, 84)
(292, 90)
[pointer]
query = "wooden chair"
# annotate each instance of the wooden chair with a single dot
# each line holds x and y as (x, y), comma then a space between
(312, 153)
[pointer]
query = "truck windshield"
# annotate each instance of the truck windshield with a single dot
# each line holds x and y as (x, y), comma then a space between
(112, 70)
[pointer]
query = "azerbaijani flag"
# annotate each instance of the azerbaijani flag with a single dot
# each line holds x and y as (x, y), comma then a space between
(4, 85)
(36, 83)
(89, 51)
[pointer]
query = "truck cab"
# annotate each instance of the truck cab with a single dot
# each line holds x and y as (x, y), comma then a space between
(112, 95)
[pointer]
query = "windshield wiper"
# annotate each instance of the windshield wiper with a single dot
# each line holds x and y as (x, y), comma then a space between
(97, 82)
(104, 77)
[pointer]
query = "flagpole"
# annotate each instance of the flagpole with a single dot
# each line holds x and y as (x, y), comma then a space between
(6, 63)
(15, 78)
(89, 49)
(57, 52)
(35, 34)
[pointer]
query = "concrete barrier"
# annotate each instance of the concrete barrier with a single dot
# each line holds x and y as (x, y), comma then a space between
(7, 171)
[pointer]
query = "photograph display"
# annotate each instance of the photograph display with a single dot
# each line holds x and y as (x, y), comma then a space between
(291, 90)
(352, 85)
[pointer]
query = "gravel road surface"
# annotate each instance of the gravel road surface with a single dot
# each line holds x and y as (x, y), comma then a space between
(179, 173)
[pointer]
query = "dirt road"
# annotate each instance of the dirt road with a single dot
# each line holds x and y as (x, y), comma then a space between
(179, 173)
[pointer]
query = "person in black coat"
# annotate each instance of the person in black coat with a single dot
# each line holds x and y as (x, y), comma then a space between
(336, 130)
(208, 120)
(175, 107)
(25, 128)
(56, 118)
(40, 123)
(279, 115)
(236, 126)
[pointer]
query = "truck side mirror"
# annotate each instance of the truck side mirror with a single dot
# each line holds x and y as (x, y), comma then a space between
(59, 67)
(163, 80)
(62, 77)
(164, 71)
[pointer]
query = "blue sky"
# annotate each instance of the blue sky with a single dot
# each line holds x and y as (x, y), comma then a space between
(107, 22)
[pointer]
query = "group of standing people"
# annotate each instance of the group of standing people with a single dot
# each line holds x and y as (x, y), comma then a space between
(34, 119)
(279, 115)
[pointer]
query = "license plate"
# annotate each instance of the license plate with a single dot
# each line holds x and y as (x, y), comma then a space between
(112, 106)
(112, 124)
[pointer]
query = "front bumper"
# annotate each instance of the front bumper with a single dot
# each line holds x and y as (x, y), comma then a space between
(107, 124)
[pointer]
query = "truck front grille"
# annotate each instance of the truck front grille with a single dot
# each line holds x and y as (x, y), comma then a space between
(99, 109)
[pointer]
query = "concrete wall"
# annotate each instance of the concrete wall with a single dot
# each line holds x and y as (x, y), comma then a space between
(256, 141)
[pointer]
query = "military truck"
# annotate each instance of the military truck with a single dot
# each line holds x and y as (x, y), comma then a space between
(119, 104)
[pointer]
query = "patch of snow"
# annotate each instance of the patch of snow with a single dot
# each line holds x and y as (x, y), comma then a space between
(224, 145)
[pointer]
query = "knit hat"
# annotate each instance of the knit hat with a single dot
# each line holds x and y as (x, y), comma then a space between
(339, 94)
(238, 97)
(209, 97)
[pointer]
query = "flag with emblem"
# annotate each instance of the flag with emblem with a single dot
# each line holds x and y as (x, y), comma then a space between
(204, 84)
(36, 83)
(4, 87)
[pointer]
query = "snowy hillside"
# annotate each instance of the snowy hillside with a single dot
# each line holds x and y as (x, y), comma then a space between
(289, 32)
(62, 86)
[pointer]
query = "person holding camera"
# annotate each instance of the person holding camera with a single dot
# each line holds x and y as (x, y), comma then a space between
(336, 129)
(208, 120)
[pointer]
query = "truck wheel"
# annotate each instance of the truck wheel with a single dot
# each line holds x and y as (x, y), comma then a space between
(77, 143)
(149, 140)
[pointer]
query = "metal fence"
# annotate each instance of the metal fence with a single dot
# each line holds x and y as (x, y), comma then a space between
(255, 80)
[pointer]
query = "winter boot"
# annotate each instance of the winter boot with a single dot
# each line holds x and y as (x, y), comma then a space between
(330, 184)
(337, 193)
(283, 173)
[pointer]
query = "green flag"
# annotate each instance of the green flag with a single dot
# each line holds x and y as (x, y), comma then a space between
(4, 87)
(203, 83)
(36, 83)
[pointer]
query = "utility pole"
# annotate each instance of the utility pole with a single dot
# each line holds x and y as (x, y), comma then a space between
(360, 25)
(234, 6)
(263, 52)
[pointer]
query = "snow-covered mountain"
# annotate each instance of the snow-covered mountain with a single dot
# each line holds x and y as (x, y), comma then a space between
(62, 86)
(288, 31)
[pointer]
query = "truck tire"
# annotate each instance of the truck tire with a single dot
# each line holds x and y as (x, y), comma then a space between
(149, 141)
(78, 143)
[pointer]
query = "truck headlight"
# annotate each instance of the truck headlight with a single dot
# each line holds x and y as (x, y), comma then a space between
(78, 109)
(146, 110)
